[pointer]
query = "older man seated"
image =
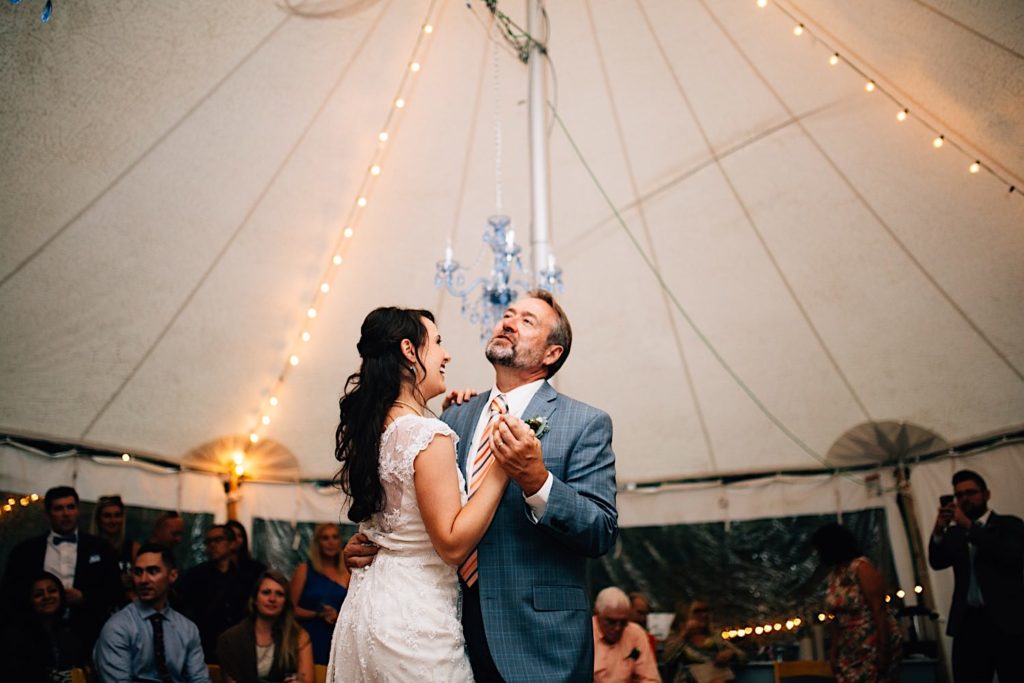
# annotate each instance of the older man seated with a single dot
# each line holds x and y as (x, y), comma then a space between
(622, 651)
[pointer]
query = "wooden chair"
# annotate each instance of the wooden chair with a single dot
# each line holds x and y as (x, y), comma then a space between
(215, 675)
(319, 673)
(78, 675)
(803, 672)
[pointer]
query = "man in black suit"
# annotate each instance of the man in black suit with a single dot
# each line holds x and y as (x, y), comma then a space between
(986, 552)
(85, 564)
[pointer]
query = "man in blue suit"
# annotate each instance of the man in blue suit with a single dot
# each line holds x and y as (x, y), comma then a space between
(526, 612)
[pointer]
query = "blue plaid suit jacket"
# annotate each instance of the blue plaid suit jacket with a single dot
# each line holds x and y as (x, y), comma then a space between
(533, 591)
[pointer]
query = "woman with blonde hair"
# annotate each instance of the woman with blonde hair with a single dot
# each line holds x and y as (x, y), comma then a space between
(108, 522)
(269, 644)
(319, 586)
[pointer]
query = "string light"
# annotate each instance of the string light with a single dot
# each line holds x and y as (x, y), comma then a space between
(399, 101)
(888, 598)
(918, 589)
(901, 594)
(973, 168)
(34, 497)
(238, 457)
(903, 114)
(126, 457)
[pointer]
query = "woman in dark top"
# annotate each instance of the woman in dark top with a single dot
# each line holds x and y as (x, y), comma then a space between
(268, 645)
(318, 588)
(108, 523)
(41, 648)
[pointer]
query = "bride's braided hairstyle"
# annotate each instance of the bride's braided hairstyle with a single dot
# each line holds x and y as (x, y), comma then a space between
(369, 395)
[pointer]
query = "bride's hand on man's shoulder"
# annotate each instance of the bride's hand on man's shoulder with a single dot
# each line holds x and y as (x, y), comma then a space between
(359, 552)
(458, 397)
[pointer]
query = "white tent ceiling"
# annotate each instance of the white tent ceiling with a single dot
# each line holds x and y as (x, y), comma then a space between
(177, 175)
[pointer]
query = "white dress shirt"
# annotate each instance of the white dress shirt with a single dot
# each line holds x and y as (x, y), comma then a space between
(60, 560)
(517, 400)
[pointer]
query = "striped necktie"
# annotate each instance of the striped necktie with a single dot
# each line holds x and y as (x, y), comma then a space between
(478, 468)
(159, 651)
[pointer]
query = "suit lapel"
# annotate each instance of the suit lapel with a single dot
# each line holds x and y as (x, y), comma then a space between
(542, 404)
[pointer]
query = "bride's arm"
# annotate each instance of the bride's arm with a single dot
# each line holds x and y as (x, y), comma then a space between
(454, 530)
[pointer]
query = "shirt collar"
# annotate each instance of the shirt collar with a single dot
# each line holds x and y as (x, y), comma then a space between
(146, 611)
(519, 398)
(53, 534)
(983, 520)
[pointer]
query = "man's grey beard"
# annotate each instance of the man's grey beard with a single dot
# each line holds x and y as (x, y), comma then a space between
(499, 355)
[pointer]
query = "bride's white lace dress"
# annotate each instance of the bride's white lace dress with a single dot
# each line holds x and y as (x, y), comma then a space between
(400, 620)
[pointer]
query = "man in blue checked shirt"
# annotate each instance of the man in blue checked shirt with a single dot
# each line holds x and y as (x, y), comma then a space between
(148, 641)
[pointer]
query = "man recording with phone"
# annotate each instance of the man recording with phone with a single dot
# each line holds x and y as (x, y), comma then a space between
(986, 551)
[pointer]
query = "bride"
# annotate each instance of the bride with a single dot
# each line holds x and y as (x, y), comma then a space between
(400, 620)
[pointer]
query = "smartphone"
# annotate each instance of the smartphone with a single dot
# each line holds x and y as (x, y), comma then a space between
(946, 500)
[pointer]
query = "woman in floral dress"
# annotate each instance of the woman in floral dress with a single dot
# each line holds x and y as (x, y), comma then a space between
(865, 636)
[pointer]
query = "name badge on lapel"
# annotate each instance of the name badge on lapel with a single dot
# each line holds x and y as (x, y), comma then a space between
(93, 559)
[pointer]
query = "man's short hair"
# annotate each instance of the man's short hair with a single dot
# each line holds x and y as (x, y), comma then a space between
(611, 598)
(229, 533)
(166, 556)
(561, 332)
(970, 475)
(56, 493)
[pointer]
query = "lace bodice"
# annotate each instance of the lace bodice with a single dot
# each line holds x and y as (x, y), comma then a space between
(400, 526)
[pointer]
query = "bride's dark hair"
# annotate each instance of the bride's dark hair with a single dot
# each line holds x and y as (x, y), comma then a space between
(369, 395)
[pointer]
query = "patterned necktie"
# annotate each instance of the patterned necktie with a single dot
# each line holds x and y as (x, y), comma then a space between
(478, 468)
(159, 654)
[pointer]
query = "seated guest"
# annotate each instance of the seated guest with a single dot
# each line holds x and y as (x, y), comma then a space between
(42, 647)
(268, 646)
(147, 640)
(168, 530)
(621, 649)
(108, 524)
(318, 588)
(214, 593)
(85, 565)
(698, 654)
(639, 608)
(249, 568)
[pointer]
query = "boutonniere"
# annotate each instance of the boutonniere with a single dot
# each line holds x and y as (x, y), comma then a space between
(634, 654)
(539, 425)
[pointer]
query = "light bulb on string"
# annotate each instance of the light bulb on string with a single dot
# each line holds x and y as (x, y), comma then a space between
(34, 497)
(901, 115)
(336, 260)
(238, 457)
(798, 30)
(306, 336)
(348, 232)
(311, 312)
(973, 168)
(834, 59)
(293, 360)
(901, 594)
(399, 103)
(869, 86)
(324, 287)
(361, 202)
(937, 142)
(265, 419)
(762, 3)
(126, 457)
(918, 589)
(414, 67)
(383, 137)
(254, 437)
(375, 170)
(273, 401)
(428, 29)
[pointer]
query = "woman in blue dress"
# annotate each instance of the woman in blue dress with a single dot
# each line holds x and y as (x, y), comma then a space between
(318, 588)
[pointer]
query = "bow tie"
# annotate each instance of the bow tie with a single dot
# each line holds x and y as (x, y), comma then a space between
(61, 538)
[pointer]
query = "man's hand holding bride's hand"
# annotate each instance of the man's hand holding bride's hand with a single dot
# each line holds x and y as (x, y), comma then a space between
(519, 453)
(359, 552)
(458, 397)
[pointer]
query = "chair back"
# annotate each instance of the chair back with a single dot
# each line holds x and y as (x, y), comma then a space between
(215, 674)
(78, 675)
(810, 671)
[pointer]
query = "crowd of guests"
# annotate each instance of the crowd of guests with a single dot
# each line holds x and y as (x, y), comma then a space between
(103, 602)
(122, 610)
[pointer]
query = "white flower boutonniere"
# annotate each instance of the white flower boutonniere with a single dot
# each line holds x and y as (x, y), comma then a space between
(539, 425)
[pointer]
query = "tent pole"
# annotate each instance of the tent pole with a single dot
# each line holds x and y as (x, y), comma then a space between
(905, 500)
(539, 188)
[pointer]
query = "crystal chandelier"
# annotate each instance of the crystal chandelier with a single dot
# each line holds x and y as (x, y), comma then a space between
(485, 298)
